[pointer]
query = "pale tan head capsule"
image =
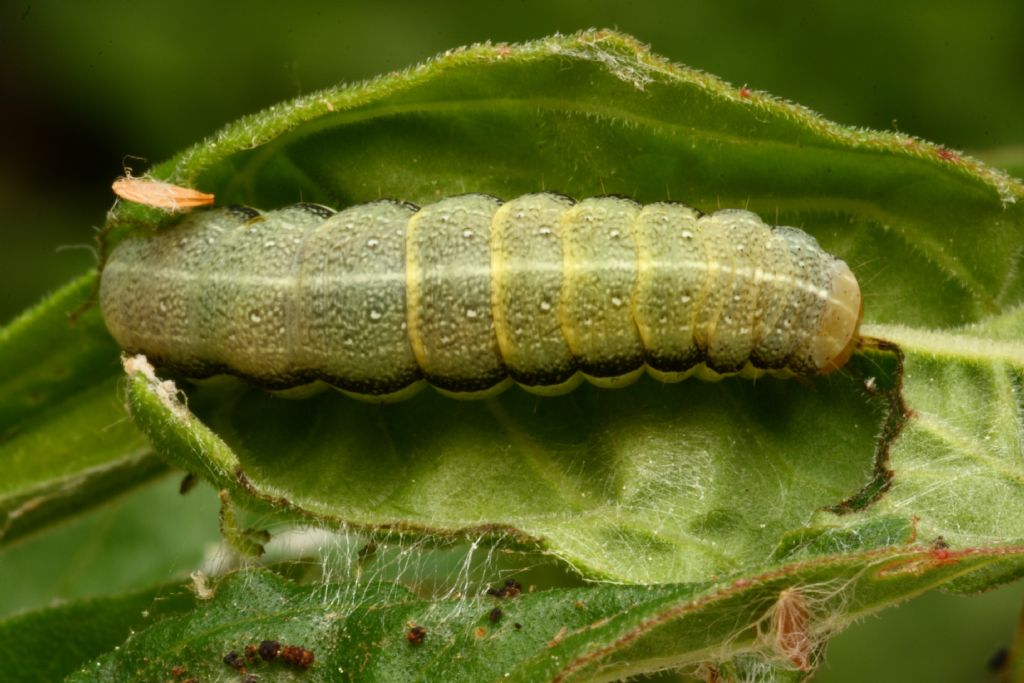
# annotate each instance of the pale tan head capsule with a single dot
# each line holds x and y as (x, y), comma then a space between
(837, 334)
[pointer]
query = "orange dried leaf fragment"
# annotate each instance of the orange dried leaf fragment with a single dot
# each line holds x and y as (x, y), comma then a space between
(159, 194)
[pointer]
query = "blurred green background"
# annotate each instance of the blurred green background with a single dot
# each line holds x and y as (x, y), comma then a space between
(87, 84)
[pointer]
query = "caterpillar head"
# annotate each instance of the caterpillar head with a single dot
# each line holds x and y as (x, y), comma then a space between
(837, 333)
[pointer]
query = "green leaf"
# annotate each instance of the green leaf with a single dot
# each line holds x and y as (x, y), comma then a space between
(858, 490)
(147, 536)
(362, 631)
(655, 482)
(48, 644)
(957, 462)
(65, 442)
(639, 485)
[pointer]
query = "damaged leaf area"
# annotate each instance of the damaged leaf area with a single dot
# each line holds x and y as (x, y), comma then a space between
(774, 623)
(737, 524)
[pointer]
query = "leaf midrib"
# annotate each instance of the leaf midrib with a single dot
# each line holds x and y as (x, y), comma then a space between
(948, 344)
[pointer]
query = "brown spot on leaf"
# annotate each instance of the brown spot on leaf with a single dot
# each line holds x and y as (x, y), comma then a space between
(297, 656)
(558, 636)
(235, 661)
(416, 634)
(269, 649)
(511, 589)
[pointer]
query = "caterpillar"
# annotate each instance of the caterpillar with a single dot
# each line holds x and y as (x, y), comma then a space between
(471, 294)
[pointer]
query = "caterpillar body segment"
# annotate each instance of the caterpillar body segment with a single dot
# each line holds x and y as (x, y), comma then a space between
(470, 293)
